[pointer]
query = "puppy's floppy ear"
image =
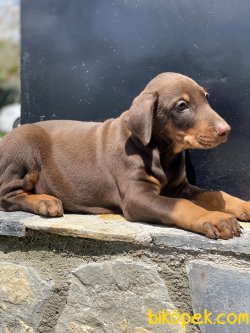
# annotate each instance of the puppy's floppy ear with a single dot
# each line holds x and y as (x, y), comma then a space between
(140, 116)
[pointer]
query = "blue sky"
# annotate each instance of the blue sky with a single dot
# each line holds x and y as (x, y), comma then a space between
(11, 1)
(14, 1)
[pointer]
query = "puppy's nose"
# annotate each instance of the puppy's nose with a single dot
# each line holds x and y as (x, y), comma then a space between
(222, 129)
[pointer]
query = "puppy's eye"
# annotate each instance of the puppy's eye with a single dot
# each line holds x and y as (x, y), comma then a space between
(181, 106)
(207, 95)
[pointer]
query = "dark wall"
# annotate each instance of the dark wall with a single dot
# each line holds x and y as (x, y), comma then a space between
(88, 59)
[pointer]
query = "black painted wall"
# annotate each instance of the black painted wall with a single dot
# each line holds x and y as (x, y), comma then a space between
(88, 59)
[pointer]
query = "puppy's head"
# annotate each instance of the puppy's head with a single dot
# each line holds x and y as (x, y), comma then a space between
(175, 109)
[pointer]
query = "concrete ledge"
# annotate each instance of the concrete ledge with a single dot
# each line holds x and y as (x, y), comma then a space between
(116, 228)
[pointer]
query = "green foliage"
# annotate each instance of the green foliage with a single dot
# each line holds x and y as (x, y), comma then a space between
(9, 52)
(9, 64)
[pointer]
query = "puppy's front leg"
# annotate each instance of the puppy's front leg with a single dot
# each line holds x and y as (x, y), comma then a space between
(143, 203)
(219, 201)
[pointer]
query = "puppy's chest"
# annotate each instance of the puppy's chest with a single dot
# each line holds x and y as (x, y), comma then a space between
(170, 171)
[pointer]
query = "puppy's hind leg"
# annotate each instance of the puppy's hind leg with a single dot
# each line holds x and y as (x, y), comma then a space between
(16, 194)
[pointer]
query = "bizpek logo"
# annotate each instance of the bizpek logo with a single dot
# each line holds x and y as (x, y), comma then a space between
(166, 317)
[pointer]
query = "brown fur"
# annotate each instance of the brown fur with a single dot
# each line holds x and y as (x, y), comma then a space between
(132, 165)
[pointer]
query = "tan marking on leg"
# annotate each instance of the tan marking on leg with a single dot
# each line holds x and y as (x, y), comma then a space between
(44, 204)
(41, 204)
(213, 224)
(221, 201)
(30, 180)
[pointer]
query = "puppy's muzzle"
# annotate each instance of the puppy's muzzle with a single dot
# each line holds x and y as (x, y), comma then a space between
(222, 130)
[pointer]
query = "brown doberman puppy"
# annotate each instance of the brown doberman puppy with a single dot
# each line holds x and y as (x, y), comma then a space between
(132, 165)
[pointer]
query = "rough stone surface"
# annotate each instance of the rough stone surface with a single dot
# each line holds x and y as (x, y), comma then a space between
(55, 257)
(23, 295)
(190, 241)
(106, 227)
(11, 223)
(115, 228)
(114, 296)
(220, 289)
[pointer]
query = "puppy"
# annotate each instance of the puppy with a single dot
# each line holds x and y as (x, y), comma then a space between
(133, 165)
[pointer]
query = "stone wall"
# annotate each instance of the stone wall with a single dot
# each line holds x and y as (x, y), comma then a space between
(104, 281)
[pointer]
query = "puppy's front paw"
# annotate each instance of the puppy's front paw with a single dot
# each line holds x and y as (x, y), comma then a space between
(241, 210)
(220, 225)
